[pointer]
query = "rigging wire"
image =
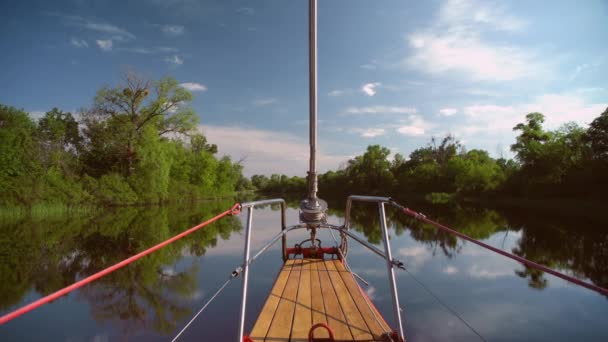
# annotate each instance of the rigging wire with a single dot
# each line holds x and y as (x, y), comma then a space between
(203, 308)
(445, 305)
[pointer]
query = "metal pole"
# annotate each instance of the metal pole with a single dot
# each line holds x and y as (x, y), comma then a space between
(312, 104)
(245, 273)
(389, 266)
(284, 238)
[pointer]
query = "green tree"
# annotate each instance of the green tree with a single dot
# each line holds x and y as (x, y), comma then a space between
(130, 107)
(18, 156)
(597, 137)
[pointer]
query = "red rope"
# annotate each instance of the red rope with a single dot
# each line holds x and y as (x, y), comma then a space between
(524, 261)
(311, 332)
(235, 210)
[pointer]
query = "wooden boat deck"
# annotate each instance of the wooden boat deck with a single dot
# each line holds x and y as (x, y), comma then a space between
(311, 291)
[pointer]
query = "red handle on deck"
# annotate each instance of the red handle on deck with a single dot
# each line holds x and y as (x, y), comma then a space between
(235, 210)
(524, 261)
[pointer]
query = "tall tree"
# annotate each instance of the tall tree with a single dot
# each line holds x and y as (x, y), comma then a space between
(130, 108)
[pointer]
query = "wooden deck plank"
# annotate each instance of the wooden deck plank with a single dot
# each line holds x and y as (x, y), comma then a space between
(356, 323)
(280, 328)
(335, 315)
(260, 329)
(318, 306)
(374, 320)
(303, 315)
(310, 291)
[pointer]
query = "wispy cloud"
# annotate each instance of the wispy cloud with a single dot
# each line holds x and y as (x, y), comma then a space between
(581, 68)
(264, 101)
(370, 88)
(193, 86)
(370, 132)
(105, 45)
(175, 60)
(172, 30)
(373, 65)
(245, 10)
(79, 42)
(448, 111)
(380, 110)
(116, 33)
(453, 43)
(149, 51)
(266, 152)
(335, 92)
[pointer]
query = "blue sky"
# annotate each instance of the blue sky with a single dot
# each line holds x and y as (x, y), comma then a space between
(393, 73)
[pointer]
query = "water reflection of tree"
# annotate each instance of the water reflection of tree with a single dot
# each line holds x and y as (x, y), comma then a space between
(147, 294)
(569, 244)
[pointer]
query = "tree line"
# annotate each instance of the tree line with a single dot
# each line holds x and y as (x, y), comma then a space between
(137, 144)
(570, 161)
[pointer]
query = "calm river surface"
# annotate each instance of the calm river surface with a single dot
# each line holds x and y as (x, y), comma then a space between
(152, 299)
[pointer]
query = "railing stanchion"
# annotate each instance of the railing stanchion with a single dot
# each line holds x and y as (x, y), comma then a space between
(389, 267)
(245, 273)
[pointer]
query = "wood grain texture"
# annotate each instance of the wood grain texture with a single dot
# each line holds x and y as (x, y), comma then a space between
(310, 291)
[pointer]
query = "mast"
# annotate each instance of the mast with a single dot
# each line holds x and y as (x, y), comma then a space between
(312, 208)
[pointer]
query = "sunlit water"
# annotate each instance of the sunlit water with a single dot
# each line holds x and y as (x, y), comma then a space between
(155, 297)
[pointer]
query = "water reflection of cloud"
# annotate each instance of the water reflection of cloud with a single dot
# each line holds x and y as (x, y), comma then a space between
(450, 270)
(371, 292)
(476, 271)
(415, 256)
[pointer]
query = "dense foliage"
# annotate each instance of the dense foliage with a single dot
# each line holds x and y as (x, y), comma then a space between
(138, 144)
(568, 162)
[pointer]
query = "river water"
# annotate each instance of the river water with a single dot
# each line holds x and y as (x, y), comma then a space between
(152, 299)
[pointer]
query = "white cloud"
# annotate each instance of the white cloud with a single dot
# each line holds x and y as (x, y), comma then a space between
(410, 130)
(246, 10)
(79, 42)
(370, 88)
(172, 30)
(454, 44)
(105, 45)
(414, 126)
(336, 92)
(193, 86)
(450, 270)
(491, 119)
(264, 102)
(380, 110)
(267, 152)
(175, 59)
(438, 53)
(448, 111)
(370, 132)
